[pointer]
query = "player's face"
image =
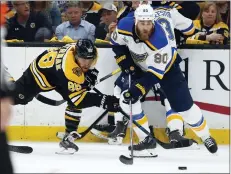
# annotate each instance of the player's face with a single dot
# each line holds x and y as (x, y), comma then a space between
(209, 15)
(22, 8)
(85, 64)
(144, 29)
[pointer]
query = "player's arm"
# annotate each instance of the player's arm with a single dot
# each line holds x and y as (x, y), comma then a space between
(122, 53)
(183, 24)
(158, 64)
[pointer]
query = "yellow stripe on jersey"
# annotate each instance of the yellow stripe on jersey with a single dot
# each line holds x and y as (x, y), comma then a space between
(39, 79)
(141, 88)
(75, 94)
(150, 45)
(80, 99)
(160, 76)
(70, 118)
(172, 61)
(43, 77)
(124, 32)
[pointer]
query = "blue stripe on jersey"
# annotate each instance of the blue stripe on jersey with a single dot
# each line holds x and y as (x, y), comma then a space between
(169, 112)
(156, 70)
(113, 42)
(138, 116)
(131, 14)
(198, 123)
(188, 29)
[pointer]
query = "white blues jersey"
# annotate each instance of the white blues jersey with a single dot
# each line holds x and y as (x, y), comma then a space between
(171, 19)
(154, 55)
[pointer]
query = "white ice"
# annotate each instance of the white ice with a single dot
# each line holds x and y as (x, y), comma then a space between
(104, 158)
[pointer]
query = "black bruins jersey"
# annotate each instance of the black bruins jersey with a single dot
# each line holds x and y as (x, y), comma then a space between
(201, 31)
(56, 69)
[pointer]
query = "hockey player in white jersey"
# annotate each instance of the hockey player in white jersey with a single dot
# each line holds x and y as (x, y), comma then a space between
(150, 50)
(169, 18)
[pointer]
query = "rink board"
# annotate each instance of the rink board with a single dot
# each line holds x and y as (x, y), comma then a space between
(40, 122)
(46, 133)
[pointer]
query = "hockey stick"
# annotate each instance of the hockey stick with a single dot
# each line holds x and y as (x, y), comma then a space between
(52, 102)
(20, 149)
(82, 134)
(122, 158)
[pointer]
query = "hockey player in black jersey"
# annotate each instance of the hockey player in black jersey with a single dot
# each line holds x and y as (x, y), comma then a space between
(70, 71)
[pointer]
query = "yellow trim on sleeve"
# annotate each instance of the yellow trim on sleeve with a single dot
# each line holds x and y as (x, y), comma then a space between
(80, 99)
(76, 93)
(124, 32)
(141, 88)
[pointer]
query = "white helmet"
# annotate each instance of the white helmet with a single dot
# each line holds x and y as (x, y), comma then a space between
(145, 13)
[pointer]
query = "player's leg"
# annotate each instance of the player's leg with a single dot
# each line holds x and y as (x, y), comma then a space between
(116, 137)
(72, 120)
(177, 92)
(146, 146)
(24, 89)
(175, 125)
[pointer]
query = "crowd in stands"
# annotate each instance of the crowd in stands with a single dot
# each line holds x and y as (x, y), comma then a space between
(63, 21)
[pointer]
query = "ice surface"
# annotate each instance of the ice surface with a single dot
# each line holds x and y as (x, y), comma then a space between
(104, 158)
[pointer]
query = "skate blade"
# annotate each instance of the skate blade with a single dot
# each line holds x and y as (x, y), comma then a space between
(117, 141)
(69, 151)
(98, 134)
(147, 153)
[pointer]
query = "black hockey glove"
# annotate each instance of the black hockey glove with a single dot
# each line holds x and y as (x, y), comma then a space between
(110, 102)
(91, 78)
(126, 64)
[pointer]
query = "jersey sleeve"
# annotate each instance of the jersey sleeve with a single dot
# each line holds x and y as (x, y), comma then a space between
(117, 38)
(185, 25)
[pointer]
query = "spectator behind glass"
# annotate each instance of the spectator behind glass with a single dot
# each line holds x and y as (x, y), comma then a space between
(109, 17)
(26, 25)
(75, 27)
(50, 10)
(224, 9)
(210, 27)
(90, 11)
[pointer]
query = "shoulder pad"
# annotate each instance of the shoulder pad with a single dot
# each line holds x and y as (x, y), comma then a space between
(125, 25)
(158, 39)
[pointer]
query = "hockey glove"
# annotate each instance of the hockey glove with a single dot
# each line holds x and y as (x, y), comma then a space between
(110, 102)
(91, 78)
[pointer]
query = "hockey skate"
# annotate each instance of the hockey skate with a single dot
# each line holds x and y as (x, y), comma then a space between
(210, 144)
(105, 127)
(179, 141)
(67, 144)
(145, 148)
(102, 130)
(116, 137)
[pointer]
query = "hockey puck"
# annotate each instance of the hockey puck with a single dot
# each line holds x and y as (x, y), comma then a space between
(182, 168)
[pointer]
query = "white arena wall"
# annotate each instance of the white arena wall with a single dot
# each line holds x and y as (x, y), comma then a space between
(208, 75)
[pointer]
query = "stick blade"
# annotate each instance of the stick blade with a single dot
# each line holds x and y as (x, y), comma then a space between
(20, 149)
(126, 160)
